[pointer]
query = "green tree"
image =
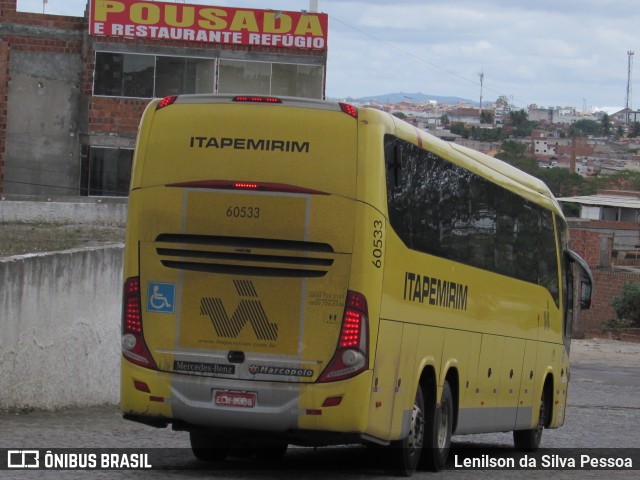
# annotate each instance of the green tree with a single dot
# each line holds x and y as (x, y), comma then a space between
(517, 117)
(511, 148)
(522, 127)
(606, 124)
(444, 119)
(400, 115)
(562, 182)
(486, 117)
(635, 130)
(625, 180)
(627, 304)
(459, 129)
(584, 128)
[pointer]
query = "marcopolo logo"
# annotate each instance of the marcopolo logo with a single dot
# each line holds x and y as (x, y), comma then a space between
(284, 371)
(249, 310)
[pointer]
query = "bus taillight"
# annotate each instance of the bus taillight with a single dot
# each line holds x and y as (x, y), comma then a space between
(349, 109)
(166, 101)
(256, 99)
(134, 348)
(352, 354)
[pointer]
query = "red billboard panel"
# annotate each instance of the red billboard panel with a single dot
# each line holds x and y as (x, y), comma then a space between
(202, 23)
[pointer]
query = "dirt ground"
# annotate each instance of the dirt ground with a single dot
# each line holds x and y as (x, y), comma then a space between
(601, 350)
(24, 238)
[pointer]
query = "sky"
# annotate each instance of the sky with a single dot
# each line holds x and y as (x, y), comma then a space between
(544, 52)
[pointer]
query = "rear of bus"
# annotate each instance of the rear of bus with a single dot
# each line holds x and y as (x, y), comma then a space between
(239, 313)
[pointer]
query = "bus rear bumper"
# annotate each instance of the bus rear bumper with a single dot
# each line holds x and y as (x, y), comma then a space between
(193, 402)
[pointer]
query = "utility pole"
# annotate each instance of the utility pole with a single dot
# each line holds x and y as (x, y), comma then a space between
(627, 103)
(481, 74)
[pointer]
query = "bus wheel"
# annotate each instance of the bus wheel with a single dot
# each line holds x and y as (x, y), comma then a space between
(405, 454)
(206, 446)
(529, 440)
(439, 426)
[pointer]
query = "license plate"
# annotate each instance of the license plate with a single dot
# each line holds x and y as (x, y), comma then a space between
(229, 398)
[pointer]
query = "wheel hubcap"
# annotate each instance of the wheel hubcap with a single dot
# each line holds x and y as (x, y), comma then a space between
(443, 425)
(416, 434)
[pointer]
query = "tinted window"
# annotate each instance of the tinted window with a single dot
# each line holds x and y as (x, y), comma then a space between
(110, 171)
(442, 209)
(118, 74)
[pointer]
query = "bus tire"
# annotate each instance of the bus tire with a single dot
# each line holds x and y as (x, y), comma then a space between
(206, 446)
(439, 427)
(529, 440)
(405, 453)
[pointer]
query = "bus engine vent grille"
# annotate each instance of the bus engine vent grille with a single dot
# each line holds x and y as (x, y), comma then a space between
(245, 255)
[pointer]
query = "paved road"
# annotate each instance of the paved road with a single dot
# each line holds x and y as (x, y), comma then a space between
(603, 412)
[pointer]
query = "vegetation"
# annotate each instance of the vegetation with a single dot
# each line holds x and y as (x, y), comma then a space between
(24, 238)
(627, 306)
(522, 126)
(561, 182)
(486, 117)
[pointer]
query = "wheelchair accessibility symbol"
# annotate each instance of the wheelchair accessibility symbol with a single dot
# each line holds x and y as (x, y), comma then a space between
(161, 297)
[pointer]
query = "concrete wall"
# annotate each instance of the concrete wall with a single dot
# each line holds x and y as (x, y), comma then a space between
(27, 211)
(60, 328)
(43, 116)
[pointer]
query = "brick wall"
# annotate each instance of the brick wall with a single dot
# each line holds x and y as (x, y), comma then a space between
(608, 281)
(608, 284)
(586, 243)
(104, 117)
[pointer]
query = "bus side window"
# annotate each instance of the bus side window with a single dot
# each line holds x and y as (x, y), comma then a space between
(393, 160)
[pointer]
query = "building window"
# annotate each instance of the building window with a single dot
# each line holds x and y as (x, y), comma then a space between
(124, 75)
(297, 80)
(109, 171)
(244, 77)
(149, 76)
(266, 78)
(176, 75)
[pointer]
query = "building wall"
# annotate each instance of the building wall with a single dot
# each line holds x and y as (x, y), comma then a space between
(596, 248)
(41, 108)
(50, 119)
(608, 284)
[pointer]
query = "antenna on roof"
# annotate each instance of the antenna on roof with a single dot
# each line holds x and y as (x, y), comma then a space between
(627, 103)
(481, 74)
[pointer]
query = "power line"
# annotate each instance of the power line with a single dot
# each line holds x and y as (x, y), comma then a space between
(420, 59)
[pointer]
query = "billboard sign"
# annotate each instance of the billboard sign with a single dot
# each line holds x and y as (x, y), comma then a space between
(203, 23)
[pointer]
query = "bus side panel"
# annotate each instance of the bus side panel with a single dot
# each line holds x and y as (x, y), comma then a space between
(552, 366)
(459, 352)
(385, 375)
(527, 386)
(406, 382)
(510, 377)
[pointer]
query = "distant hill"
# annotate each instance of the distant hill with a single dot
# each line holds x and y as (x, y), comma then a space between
(417, 97)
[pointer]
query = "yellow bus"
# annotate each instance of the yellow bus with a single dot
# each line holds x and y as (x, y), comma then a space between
(310, 273)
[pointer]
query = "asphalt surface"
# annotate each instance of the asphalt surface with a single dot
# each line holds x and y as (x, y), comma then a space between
(603, 419)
